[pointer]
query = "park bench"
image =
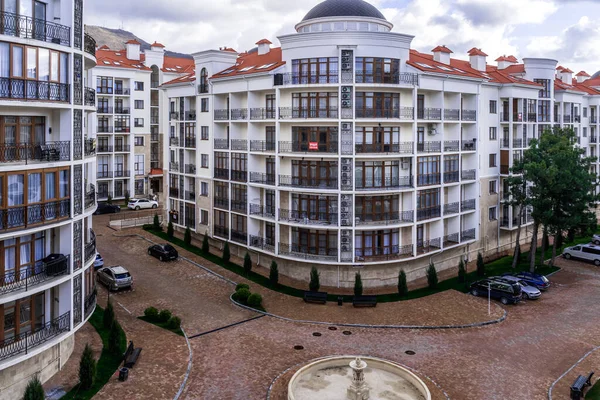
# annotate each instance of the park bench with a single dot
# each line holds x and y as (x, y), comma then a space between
(364, 301)
(579, 385)
(315, 297)
(131, 355)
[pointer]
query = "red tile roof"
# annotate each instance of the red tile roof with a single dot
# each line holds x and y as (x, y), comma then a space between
(501, 58)
(182, 79)
(229, 49)
(582, 73)
(591, 83)
(156, 172)
(476, 52)
(567, 70)
(178, 65)
(264, 41)
(118, 59)
(514, 69)
(132, 41)
(252, 63)
(156, 44)
(442, 49)
(561, 86)
(512, 59)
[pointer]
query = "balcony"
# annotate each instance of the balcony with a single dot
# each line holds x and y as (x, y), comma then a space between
(451, 114)
(239, 206)
(517, 143)
(89, 97)
(90, 303)
(239, 237)
(123, 129)
(119, 173)
(239, 176)
(262, 113)
(122, 91)
(262, 146)
(313, 147)
(239, 114)
(451, 240)
(39, 29)
(174, 167)
(428, 246)
(567, 119)
(221, 144)
(310, 183)
(104, 194)
(429, 213)
(467, 205)
(376, 148)
(389, 253)
(89, 147)
(304, 113)
(90, 248)
(504, 169)
(105, 129)
(25, 153)
(174, 192)
(122, 148)
(594, 119)
(25, 342)
(190, 195)
(469, 115)
(221, 173)
(308, 252)
(294, 78)
(262, 243)
(173, 116)
(221, 115)
(44, 270)
(239, 144)
(429, 114)
(21, 89)
(405, 113)
(263, 179)
(451, 145)
(308, 218)
(190, 169)
(384, 183)
(504, 117)
(469, 145)
(468, 175)
(467, 235)
(394, 78)
(104, 148)
(451, 208)
(188, 116)
(429, 179)
(104, 174)
(174, 141)
(531, 117)
(90, 198)
(385, 219)
(121, 110)
(429, 147)
(189, 142)
(154, 137)
(451, 177)
(262, 211)
(89, 45)
(593, 139)
(221, 231)
(24, 216)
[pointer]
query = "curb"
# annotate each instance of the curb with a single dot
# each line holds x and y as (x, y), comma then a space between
(189, 368)
(569, 370)
(474, 325)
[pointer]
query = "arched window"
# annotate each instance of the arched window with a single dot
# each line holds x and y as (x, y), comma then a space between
(203, 81)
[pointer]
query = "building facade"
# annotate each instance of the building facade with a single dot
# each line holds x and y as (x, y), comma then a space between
(47, 188)
(348, 150)
(128, 118)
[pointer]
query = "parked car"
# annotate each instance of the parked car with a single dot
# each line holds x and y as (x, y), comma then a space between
(105, 208)
(596, 238)
(98, 262)
(136, 204)
(587, 252)
(537, 280)
(507, 293)
(115, 278)
(529, 291)
(164, 252)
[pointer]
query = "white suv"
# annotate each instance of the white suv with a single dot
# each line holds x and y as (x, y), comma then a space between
(596, 238)
(136, 204)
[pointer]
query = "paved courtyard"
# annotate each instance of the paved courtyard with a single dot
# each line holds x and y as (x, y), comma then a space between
(518, 358)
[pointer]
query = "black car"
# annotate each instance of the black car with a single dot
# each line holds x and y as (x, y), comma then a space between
(104, 208)
(506, 292)
(164, 252)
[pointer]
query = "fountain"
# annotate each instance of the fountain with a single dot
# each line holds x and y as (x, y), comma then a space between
(358, 390)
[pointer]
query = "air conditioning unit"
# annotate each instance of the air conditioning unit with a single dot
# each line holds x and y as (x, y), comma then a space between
(346, 126)
(344, 209)
(346, 89)
(405, 165)
(345, 204)
(432, 129)
(346, 96)
(346, 104)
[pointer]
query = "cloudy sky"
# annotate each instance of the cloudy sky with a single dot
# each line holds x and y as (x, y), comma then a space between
(566, 30)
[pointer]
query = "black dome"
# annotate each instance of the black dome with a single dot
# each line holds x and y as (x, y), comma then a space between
(596, 75)
(343, 8)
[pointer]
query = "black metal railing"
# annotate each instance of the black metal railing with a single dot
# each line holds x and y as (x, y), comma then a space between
(467, 205)
(451, 114)
(308, 252)
(239, 176)
(594, 119)
(384, 183)
(89, 97)
(29, 277)
(239, 206)
(406, 113)
(174, 167)
(383, 253)
(262, 113)
(430, 114)
(104, 129)
(104, 148)
(90, 303)
(221, 115)
(292, 78)
(469, 145)
(189, 142)
(104, 110)
(49, 151)
(427, 246)
(221, 173)
(189, 169)
(122, 110)
(239, 144)
(389, 218)
(239, 237)
(315, 183)
(90, 248)
(429, 179)
(429, 147)
(90, 198)
(262, 243)
(104, 174)
(451, 177)
(467, 235)
(451, 208)
(221, 231)
(517, 143)
(262, 178)
(239, 114)
(297, 147)
(374, 148)
(531, 117)
(22, 89)
(122, 129)
(122, 173)
(20, 217)
(469, 115)
(262, 211)
(174, 192)
(429, 213)
(262, 145)
(24, 342)
(221, 202)
(451, 240)
(468, 175)
(221, 144)
(89, 45)
(451, 145)
(122, 148)
(33, 28)
(593, 139)
(308, 217)
(393, 78)
(190, 195)
(305, 113)
(124, 91)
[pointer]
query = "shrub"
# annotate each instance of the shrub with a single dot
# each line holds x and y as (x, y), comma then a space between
(114, 338)
(274, 274)
(358, 286)
(127, 197)
(247, 264)
(109, 199)
(174, 323)
(480, 265)
(243, 295)
(402, 286)
(187, 237)
(462, 272)
(242, 286)
(432, 278)
(205, 244)
(314, 283)
(170, 230)
(34, 390)
(156, 223)
(255, 300)
(151, 313)
(164, 315)
(87, 368)
(109, 316)
(226, 253)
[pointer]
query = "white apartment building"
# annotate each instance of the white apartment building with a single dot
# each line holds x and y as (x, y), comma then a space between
(47, 193)
(129, 110)
(348, 150)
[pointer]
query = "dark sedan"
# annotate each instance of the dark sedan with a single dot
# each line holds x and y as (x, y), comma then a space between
(104, 208)
(164, 252)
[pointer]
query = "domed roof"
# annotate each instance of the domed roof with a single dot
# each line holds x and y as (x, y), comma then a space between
(596, 75)
(343, 8)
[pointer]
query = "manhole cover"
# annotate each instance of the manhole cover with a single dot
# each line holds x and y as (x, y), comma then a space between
(410, 352)
(298, 347)
(332, 328)
(347, 333)
(316, 334)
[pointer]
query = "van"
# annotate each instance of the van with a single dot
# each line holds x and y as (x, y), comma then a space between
(506, 292)
(587, 252)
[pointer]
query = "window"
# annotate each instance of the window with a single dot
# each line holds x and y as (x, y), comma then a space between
(204, 132)
(203, 217)
(139, 187)
(315, 105)
(139, 164)
(377, 105)
(584, 132)
(204, 160)
(204, 105)
(139, 104)
(139, 122)
(138, 86)
(377, 70)
(584, 112)
(493, 107)
(139, 141)
(493, 160)
(203, 189)
(493, 133)
(493, 186)
(315, 70)
(203, 81)
(377, 174)
(492, 213)
(545, 92)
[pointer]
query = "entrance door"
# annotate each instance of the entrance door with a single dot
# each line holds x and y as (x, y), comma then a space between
(420, 106)
(420, 235)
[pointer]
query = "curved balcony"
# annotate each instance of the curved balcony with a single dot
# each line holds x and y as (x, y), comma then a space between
(265, 244)
(429, 213)
(36, 214)
(262, 178)
(90, 198)
(24, 89)
(308, 252)
(90, 248)
(391, 218)
(384, 254)
(89, 97)
(89, 45)
(379, 148)
(308, 183)
(90, 303)
(32, 28)
(308, 218)
(467, 205)
(49, 268)
(384, 183)
(428, 246)
(25, 153)
(297, 147)
(307, 113)
(262, 211)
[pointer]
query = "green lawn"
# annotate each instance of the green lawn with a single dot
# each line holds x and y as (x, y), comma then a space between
(163, 325)
(594, 392)
(107, 364)
(494, 268)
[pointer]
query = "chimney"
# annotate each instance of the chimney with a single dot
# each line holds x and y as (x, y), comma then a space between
(582, 77)
(478, 59)
(133, 50)
(157, 47)
(566, 76)
(442, 54)
(505, 62)
(263, 47)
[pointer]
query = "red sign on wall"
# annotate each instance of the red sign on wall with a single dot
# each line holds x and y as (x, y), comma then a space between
(313, 146)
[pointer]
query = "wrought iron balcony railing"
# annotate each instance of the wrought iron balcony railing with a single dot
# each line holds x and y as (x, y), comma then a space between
(374, 148)
(262, 178)
(308, 252)
(32, 28)
(22, 89)
(221, 144)
(389, 218)
(384, 183)
(262, 243)
(308, 218)
(262, 211)
(383, 253)
(89, 45)
(90, 248)
(467, 235)
(429, 213)
(429, 147)
(90, 97)
(451, 145)
(262, 113)
(21, 217)
(48, 152)
(467, 205)
(451, 208)
(469, 115)
(90, 198)
(468, 175)
(392, 78)
(262, 146)
(12, 281)
(451, 114)
(90, 303)
(294, 78)
(405, 113)
(430, 114)
(311, 183)
(307, 113)
(427, 246)
(239, 237)
(239, 144)
(296, 147)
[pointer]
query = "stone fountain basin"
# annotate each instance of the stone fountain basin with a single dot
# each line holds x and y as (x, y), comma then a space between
(330, 378)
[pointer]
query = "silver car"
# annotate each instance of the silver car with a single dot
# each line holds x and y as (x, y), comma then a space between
(115, 278)
(596, 238)
(529, 291)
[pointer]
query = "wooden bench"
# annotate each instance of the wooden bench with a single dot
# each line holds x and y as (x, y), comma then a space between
(364, 301)
(315, 297)
(131, 355)
(579, 385)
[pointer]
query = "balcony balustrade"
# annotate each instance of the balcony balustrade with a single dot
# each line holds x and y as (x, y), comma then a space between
(451, 145)
(262, 211)
(90, 198)
(388, 253)
(310, 183)
(262, 178)
(375, 148)
(467, 235)
(89, 147)
(467, 205)
(221, 173)
(451, 177)
(154, 137)
(308, 218)
(239, 206)
(105, 129)
(404, 113)
(294, 78)
(531, 117)
(469, 115)
(104, 148)
(43, 152)
(451, 208)
(307, 113)
(262, 113)
(122, 173)
(428, 179)
(567, 119)
(90, 303)
(451, 240)
(517, 143)
(239, 176)
(391, 78)
(296, 147)
(239, 144)
(122, 129)
(390, 218)
(239, 237)
(90, 248)
(174, 193)
(262, 243)
(190, 169)
(238, 114)
(174, 167)
(56, 265)
(428, 246)
(122, 110)
(505, 143)
(190, 195)
(221, 231)
(103, 174)
(173, 116)
(429, 114)
(221, 115)
(469, 145)
(452, 114)
(39, 29)
(308, 252)
(122, 148)
(468, 175)
(188, 116)
(220, 202)
(174, 141)
(189, 142)
(22, 89)
(594, 119)
(89, 97)
(384, 183)
(429, 147)
(122, 92)
(429, 213)
(221, 144)
(89, 45)
(262, 146)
